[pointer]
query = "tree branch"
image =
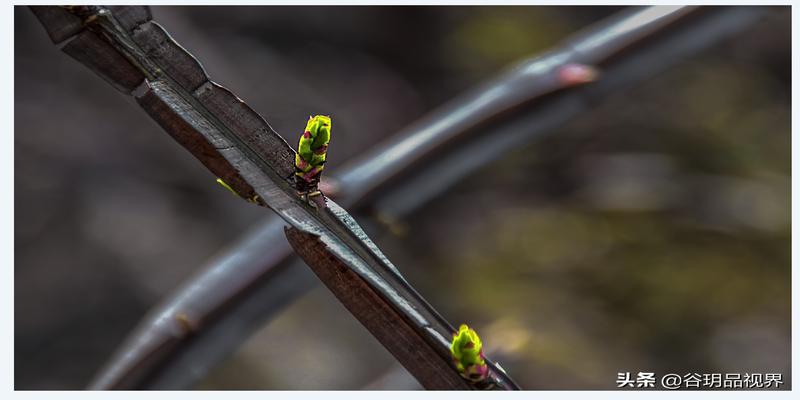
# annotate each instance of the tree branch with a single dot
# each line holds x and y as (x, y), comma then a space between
(244, 286)
(234, 142)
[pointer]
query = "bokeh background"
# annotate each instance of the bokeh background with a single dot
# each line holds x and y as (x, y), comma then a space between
(650, 234)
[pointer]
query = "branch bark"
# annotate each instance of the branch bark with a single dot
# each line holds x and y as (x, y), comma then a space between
(234, 142)
(240, 289)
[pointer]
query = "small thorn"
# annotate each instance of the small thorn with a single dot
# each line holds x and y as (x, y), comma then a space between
(185, 323)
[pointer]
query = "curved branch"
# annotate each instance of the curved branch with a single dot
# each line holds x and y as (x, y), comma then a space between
(244, 286)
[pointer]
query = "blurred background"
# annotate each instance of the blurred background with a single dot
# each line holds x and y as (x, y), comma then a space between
(650, 234)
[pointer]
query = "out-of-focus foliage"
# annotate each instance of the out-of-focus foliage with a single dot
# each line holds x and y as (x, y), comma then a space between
(651, 234)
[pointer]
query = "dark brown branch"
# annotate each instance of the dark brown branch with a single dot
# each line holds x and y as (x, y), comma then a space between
(234, 142)
(271, 285)
(375, 314)
(228, 306)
